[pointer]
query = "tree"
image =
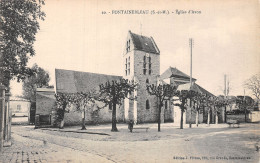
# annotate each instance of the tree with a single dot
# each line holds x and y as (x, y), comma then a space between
(162, 92)
(218, 103)
(82, 102)
(113, 93)
(208, 104)
(199, 102)
(39, 79)
(253, 84)
(18, 27)
(183, 96)
(244, 103)
(63, 101)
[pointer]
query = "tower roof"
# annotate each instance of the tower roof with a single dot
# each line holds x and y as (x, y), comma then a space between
(144, 43)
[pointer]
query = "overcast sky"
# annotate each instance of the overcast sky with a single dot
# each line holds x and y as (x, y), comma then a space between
(77, 36)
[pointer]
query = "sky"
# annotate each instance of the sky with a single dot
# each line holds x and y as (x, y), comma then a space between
(77, 36)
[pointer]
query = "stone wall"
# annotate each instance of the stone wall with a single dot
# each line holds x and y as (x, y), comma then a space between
(104, 115)
(144, 114)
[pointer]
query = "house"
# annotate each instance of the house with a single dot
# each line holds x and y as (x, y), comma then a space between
(141, 58)
(20, 108)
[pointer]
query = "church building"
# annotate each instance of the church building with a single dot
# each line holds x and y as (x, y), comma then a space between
(141, 63)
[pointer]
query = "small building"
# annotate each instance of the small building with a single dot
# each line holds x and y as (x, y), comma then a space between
(45, 101)
(20, 108)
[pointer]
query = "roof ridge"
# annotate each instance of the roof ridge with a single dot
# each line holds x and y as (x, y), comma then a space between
(87, 72)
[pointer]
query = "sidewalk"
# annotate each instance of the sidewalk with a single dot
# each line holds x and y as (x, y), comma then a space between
(30, 151)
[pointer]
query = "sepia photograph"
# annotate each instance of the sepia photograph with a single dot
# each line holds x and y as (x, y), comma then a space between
(100, 81)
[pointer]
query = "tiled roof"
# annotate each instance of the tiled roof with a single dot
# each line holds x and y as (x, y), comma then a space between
(195, 87)
(68, 81)
(51, 96)
(175, 73)
(144, 43)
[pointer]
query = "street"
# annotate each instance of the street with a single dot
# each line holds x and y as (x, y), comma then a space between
(217, 143)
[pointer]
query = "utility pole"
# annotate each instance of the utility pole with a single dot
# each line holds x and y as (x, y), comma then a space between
(191, 44)
(225, 96)
(141, 29)
(244, 103)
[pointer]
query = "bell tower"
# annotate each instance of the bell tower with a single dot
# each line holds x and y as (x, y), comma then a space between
(142, 64)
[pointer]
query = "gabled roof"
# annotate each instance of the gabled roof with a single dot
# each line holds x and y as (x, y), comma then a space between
(50, 96)
(144, 43)
(68, 81)
(45, 89)
(204, 91)
(195, 87)
(15, 98)
(175, 73)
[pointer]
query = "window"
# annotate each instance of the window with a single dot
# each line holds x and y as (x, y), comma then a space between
(126, 67)
(129, 65)
(144, 66)
(166, 104)
(147, 81)
(128, 46)
(110, 106)
(150, 65)
(147, 61)
(18, 107)
(147, 104)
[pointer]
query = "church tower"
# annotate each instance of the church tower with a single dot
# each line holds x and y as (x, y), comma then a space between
(141, 58)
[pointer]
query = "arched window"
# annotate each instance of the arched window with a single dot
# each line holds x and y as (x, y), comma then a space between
(128, 46)
(147, 81)
(147, 104)
(150, 65)
(166, 105)
(144, 66)
(128, 65)
(110, 106)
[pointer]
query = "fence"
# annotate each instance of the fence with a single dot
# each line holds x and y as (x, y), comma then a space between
(5, 118)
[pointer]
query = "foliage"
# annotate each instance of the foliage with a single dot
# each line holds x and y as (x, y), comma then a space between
(116, 91)
(82, 100)
(18, 27)
(39, 79)
(244, 102)
(113, 93)
(162, 92)
(183, 96)
(218, 103)
(253, 84)
(63, 102)
(199, 101)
